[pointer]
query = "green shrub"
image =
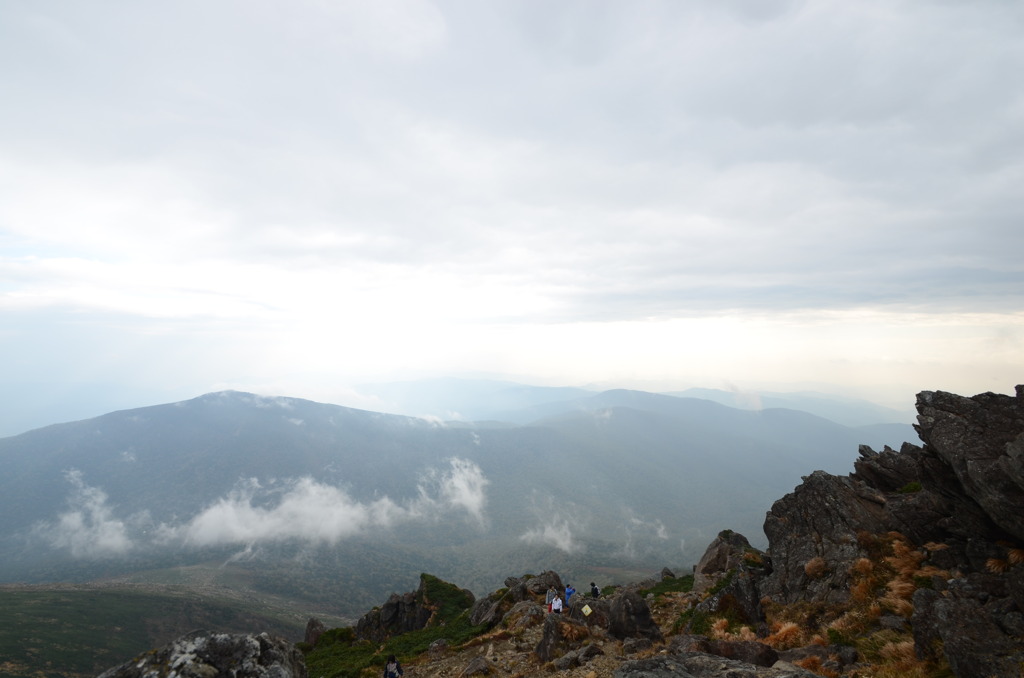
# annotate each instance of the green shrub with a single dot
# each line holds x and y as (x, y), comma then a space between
(912, 486)
(698, 622)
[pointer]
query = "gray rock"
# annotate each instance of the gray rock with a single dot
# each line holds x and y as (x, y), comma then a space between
(630, 617)
(701, 665)
(559, 636)
(478, 666)
(748, 652)
(202, 654)
(314, 629)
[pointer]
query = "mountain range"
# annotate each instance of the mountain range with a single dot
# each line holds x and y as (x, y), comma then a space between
(339, 507)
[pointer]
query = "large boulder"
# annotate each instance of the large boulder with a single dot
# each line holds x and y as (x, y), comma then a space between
(630, 617)
(202, 654)
(812, 536)
(559, 635)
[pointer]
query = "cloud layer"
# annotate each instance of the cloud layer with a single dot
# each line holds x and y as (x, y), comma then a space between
(300, 510)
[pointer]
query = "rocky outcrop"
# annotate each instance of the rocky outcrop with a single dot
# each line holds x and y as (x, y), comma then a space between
(201, 654)
(406, 612)
(314, 629)
(728, 551)
(730, 573)
(959, 499)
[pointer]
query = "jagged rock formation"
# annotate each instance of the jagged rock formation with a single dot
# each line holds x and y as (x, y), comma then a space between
(201, 654)
(959, 499)
(409, 611)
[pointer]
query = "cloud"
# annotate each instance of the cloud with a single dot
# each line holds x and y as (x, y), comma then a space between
(310, 511)
(298, 509)
(640, 533)
(558, 525)
(88, 530)
(306, 511)
(461, 487)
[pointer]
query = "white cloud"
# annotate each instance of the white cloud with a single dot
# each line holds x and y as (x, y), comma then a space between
(307, 510)
(301, 509)
(557, 524)
(88, 530)
(460, 487)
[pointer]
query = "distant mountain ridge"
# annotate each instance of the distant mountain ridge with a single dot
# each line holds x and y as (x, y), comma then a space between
(331, 502)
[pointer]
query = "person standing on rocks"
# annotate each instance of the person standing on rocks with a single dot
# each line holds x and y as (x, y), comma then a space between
(392, 669)
(569, 590)
(556, 604)
(550, 597)
(594, 591)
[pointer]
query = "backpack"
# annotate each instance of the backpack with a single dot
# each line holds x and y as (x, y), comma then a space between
(392, 670)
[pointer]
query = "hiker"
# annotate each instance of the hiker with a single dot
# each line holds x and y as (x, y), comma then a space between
(392, 669)
(550, 597)
(594, 591)
(569, 590)
(556, 605)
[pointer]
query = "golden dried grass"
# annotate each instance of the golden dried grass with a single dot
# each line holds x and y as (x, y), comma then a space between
(900, 588)
(997, 565)
(816, 567)
(898, 606)
(785, 635)
(901, 651)
(747, 634)
(905, 560)
(1015, 556)
(862, 567)
(720, 629)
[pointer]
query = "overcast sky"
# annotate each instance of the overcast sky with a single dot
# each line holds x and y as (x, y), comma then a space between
(295, 197)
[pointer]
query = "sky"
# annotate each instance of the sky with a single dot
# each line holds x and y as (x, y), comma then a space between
(296, 198)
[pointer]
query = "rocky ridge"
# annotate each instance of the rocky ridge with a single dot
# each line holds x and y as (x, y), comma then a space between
(910, 566)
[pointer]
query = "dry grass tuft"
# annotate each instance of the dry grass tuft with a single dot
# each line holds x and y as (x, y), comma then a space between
(816, 567)
(572, 632)
(898, 606)
(1016, 556)
(815, 665)
(862, 591)
(720, 629)
(997, 565)
(905, 559)
(862, 567)
(902, 652)
(900, 588)
(785, 635)
(935, 546)
(747, 634)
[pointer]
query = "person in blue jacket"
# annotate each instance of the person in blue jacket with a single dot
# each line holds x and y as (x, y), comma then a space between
(569, 590)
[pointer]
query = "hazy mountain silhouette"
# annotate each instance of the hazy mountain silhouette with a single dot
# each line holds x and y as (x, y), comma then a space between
(323, 501)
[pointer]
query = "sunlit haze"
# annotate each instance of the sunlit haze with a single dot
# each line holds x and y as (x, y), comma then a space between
(294, 198)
